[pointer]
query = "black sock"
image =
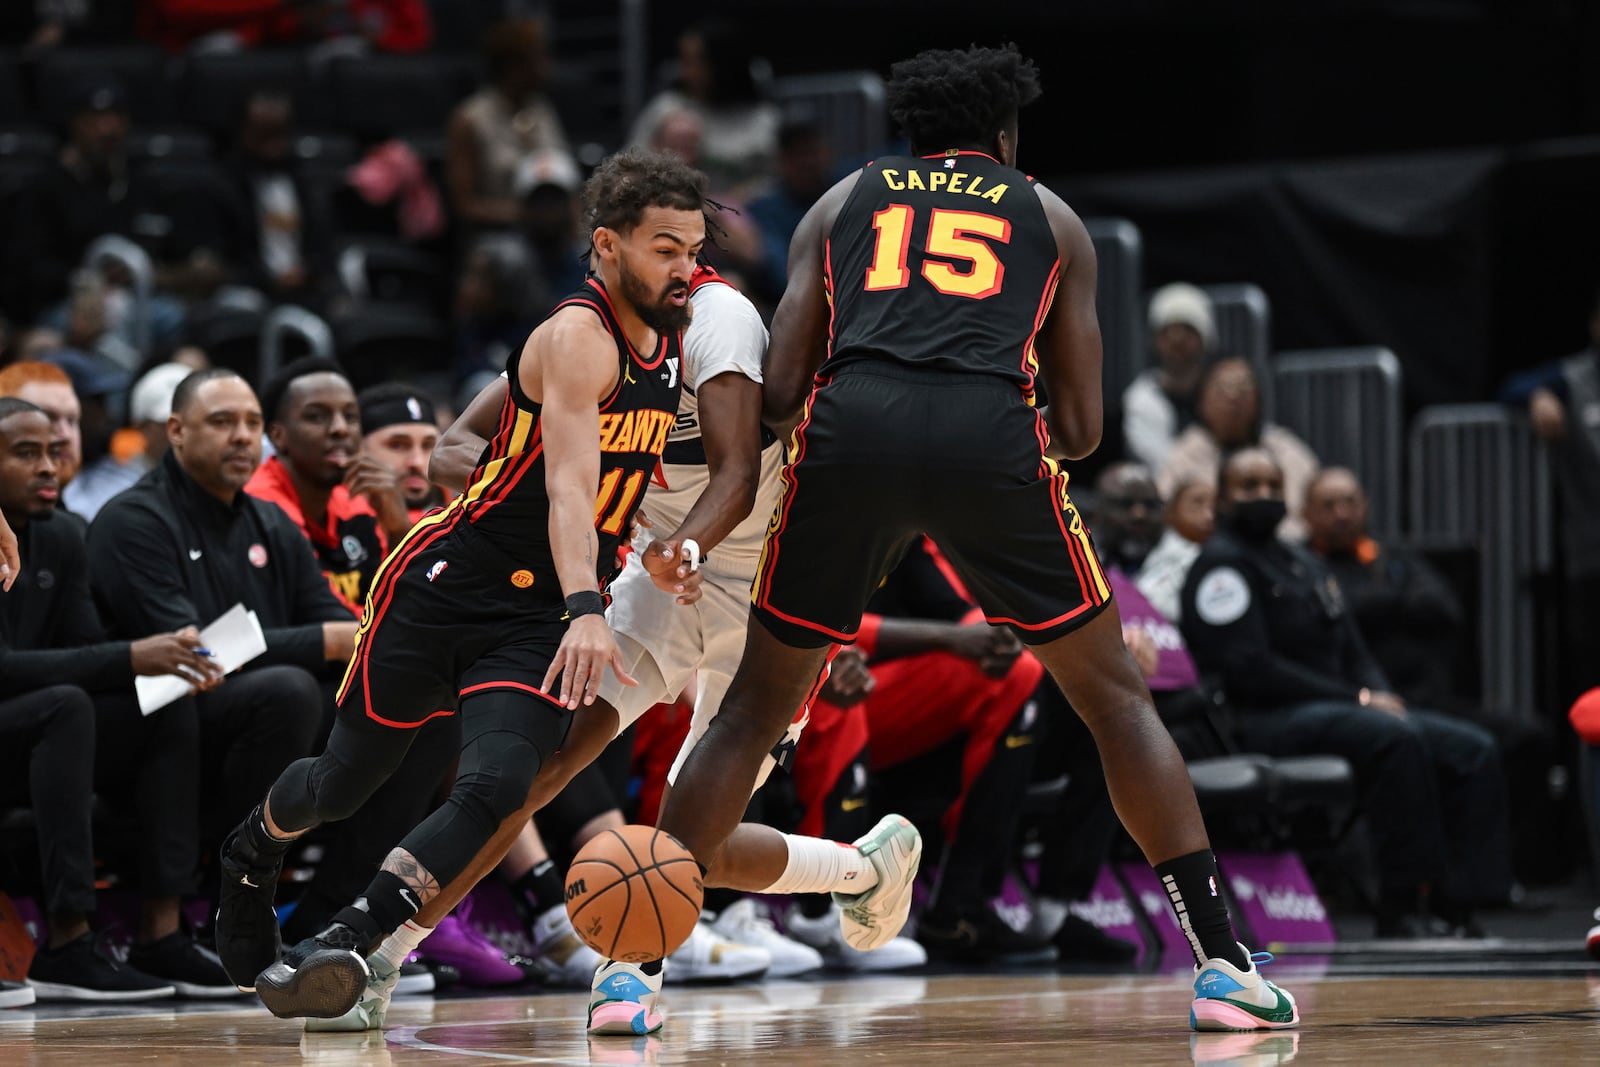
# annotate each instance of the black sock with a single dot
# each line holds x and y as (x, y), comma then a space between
(1191, 884)
(382, 909)
(717, 899)
(652, 968)
(539, 890)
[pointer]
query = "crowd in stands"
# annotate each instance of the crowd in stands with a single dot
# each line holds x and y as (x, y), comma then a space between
(159, 468)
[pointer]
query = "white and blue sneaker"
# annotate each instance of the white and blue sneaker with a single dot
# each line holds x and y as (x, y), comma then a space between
(622, 1000)
(874, 918)
(1226, 998)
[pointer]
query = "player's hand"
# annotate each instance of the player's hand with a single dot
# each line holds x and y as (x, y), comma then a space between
(849, 680)
(672, 567)
(586, 650)
(176, 653)
(1004, 648)
(380, 485)
(10, 558)
(1143, 647)
(1548, 415)
(1388, 703)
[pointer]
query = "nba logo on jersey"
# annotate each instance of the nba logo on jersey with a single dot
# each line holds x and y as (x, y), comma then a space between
(949, 164)
(437, 569)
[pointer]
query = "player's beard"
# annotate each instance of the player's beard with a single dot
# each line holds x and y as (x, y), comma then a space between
(657, 311)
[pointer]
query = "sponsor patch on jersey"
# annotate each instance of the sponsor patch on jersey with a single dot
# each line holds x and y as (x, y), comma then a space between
(257, 555)
(354, 550)
(522, 579)
(1223, 597)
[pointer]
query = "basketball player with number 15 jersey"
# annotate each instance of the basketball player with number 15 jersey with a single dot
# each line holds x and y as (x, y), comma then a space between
(926, 293)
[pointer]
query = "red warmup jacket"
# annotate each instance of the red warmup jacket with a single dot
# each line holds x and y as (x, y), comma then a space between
(349, 546)
(176, 24)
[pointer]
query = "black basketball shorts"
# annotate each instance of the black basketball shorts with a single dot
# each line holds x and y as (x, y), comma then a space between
(449, 615)
(885, 454)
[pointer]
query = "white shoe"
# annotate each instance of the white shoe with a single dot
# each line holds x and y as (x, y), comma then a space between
(370, 1009)
(874, 918)
(558, 955)
(622, 1000)
(16, 994)
(826, 935)
(1227, 998)
(709, 957)
(745, 922)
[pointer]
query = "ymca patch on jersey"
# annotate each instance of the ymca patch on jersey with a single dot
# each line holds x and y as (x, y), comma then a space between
(1222, 597)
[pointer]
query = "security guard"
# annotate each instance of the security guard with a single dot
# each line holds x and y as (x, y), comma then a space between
(1266, 621)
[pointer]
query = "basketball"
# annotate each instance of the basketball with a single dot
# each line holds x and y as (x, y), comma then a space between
(634, 894)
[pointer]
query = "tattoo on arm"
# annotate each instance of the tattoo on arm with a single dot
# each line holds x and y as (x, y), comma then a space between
(416, 877)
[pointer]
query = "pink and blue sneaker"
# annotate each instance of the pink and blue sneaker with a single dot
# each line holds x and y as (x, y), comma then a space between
(1226, 998)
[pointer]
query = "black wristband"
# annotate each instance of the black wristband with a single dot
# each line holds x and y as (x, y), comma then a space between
(586, 602)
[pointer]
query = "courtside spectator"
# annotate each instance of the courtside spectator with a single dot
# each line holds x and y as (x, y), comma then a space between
(1160, 403)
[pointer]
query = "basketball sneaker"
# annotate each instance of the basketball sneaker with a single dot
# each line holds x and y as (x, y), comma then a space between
(322, 977)
(826, 935)
(622, 1000)
(1593, 940)
(457, 943)
(559, 957)
(707, 956)
(85, 969)
(370, 1010)
(1226, 998)
(745, 922)
(248, 941)
(192, 969)
(16, 994)
(874, 918)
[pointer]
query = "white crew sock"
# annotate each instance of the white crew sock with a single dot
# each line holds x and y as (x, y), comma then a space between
(820, 866)
(402, 943)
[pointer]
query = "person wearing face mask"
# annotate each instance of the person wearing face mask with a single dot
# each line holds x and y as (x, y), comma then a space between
(1265, 619)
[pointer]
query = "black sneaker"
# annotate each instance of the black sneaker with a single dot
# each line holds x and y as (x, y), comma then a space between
(193, 971)
(982, 935)
(321, 977)
(83, 969)
(1081, 941)
(16, 994)
(415, 978)
(247, 935)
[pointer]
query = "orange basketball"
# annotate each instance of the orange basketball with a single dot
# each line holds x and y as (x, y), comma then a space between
(634, 894)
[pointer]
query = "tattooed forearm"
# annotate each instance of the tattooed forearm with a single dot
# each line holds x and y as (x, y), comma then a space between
(404, 866)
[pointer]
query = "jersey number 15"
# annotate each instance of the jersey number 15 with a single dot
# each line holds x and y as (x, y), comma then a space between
(952, 235)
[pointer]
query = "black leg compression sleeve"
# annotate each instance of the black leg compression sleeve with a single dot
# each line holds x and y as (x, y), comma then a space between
(357, 760)
(508, 736)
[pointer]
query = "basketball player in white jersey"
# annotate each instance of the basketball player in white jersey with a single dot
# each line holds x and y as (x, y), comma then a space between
(718, 485)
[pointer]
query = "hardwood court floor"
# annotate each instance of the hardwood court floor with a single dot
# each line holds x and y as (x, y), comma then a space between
(1014, 1019)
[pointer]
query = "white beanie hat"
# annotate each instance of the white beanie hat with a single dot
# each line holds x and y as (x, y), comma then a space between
(151, 399)
(1186, 305)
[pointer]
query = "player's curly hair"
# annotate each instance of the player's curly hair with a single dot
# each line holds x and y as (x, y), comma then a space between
(944, 98)
(630, 182)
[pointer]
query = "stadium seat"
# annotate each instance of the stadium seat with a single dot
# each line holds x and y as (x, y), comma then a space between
(1346, 404)
(373, 270)
(385, 342)
(143, 71)
(378, 97)
(214, 88)
(850, 106)
(13, 101)
(1120, 251)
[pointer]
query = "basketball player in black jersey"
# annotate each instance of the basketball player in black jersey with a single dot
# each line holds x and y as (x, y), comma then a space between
(926, 293)
(485, 606)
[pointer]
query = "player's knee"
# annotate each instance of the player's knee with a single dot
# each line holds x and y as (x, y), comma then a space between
(337, 789)
(496, 776)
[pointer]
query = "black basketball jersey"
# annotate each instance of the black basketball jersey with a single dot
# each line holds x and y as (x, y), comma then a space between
(945, 262)
(506, 499)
